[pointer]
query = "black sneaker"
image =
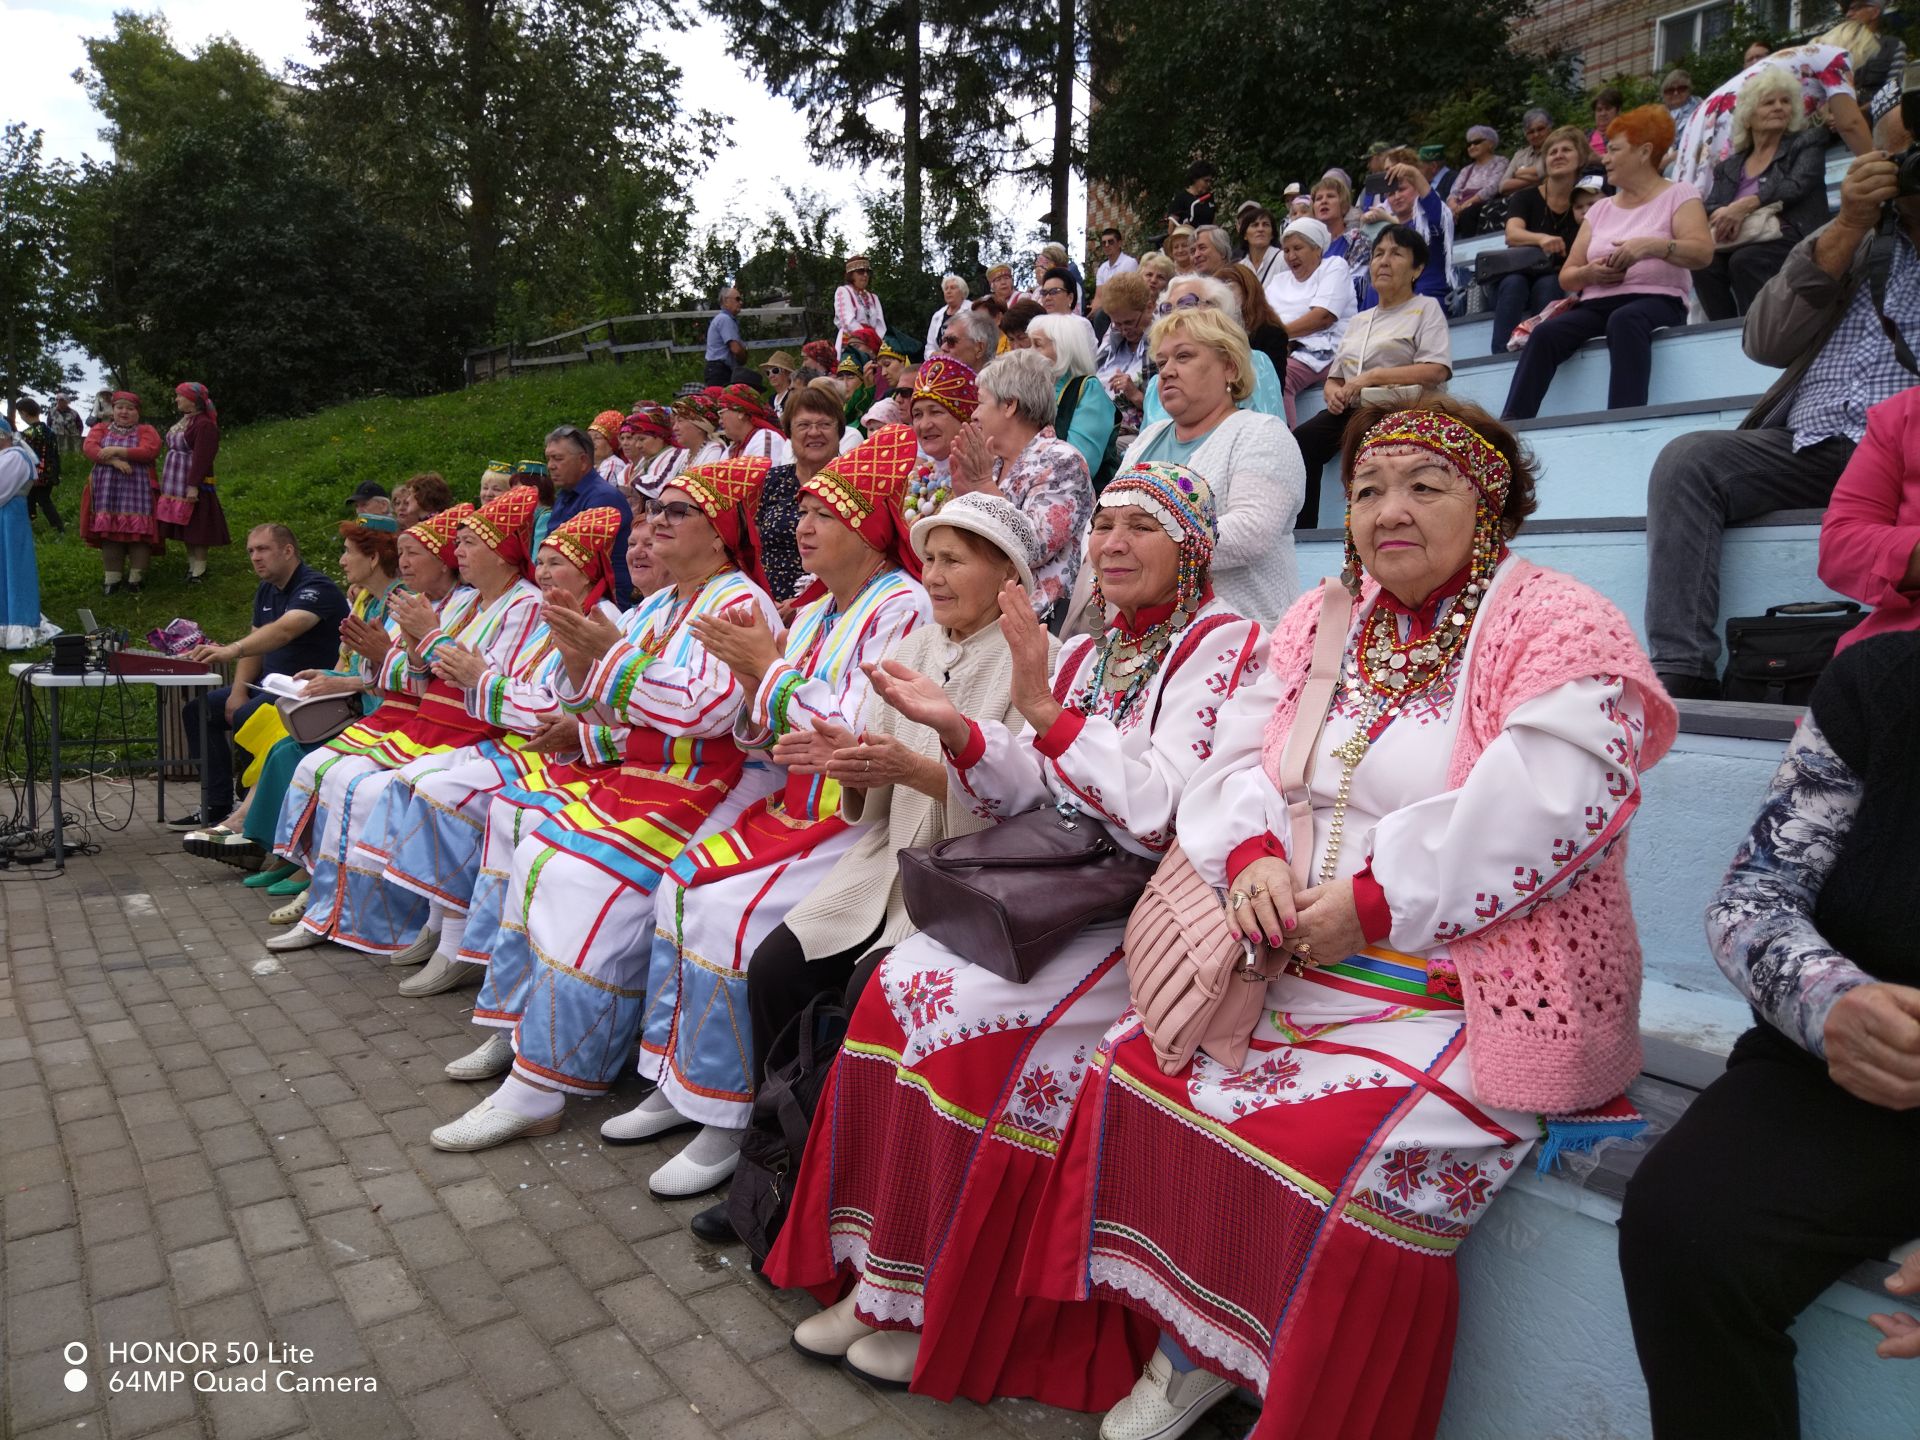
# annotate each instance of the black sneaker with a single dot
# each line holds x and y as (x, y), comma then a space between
(192, 820)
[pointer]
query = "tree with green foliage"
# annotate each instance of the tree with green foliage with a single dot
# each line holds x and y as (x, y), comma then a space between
(35, 298)
(214, 247)
(535, 145)
(1283, 94)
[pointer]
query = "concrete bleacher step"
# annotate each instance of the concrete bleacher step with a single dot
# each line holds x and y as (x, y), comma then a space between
(1590, 465)
(1768, 561)
(1691, 363)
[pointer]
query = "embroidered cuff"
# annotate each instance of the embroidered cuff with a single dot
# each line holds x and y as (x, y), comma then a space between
(488, 700)
(1260, 847)
(1370, 904)
(973, 751)
(1061, 734)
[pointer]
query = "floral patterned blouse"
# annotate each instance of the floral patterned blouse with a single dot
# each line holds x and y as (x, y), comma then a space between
(1049, 482)
(779, 516)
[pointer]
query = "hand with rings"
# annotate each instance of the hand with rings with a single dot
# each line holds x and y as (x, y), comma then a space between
(1329, 923)
(1260, 904)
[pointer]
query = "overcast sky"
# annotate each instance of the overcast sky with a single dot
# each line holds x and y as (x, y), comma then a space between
(769, 149)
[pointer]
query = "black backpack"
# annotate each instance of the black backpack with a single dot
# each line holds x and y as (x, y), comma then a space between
(782, 1116)
(1776, 658)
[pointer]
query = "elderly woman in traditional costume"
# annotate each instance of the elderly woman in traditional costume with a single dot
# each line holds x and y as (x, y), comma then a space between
(660, 456)
(696, 425)
(937, 1131)
(1452, 981)
(563, 919)
(749, 426)
(728, 891)
(428, 563)
(1009, 449)
(607, 456)
(945, 397)
(187, 507)
(856, 307)
(893, 779)
(116, 508)
(334, 790)
(410, 878)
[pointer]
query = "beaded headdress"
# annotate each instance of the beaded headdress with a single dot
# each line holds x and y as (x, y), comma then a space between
(529, 467)
(951, 382)
(497, 467)
(586, 542)
(607, 426)
(864, 488)
(1467, 451)
(437, 532)
(727, 492)
(505, 525)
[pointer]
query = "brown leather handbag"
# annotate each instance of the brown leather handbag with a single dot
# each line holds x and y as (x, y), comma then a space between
(1012, 897)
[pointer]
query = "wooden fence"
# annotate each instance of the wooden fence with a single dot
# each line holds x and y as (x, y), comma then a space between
(664, 334)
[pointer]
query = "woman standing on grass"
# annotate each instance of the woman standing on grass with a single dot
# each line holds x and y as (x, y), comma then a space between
(187, 508)
(116, 508)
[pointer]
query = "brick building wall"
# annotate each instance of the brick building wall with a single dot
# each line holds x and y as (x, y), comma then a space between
(1612, 37)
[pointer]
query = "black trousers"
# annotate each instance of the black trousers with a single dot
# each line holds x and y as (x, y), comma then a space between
(1628, 322)
(216, 766)
(1772, 1186)
(781, 981)
(41, 497)
(719, 372)
(1319, 438)
(1728, 286)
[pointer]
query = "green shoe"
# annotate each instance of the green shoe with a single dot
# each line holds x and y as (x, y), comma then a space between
(292, 885)
(260, 879)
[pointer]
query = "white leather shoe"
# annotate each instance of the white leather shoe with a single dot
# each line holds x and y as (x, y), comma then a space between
(681, 1177)
(289, 913)
(827, 1336)
(442, 973)
(494, 1057)
(419, 952)
(885, 1358)
(643, 1122)
(298, 938)
(1164, 1403)
(485, 1126)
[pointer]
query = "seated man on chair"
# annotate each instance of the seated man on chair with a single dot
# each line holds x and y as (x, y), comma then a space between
(1819, 320)
(296, 626)
(1798, 1162)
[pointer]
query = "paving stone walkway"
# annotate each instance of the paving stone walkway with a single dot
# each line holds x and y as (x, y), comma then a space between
(198, 1150)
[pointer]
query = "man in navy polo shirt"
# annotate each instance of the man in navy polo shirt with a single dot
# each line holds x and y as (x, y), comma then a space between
(296, 626)
(578, 486)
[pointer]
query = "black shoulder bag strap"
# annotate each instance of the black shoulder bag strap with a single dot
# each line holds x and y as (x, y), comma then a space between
(1879, 267)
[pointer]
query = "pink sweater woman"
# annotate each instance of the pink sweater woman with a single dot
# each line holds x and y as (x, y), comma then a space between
(1870, 540)
(1457, 974)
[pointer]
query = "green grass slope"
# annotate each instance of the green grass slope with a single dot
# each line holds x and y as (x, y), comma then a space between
(300, 472)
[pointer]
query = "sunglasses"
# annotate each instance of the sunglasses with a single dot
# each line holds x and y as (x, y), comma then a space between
(673, 512)
(1188, 301)
(863, 270)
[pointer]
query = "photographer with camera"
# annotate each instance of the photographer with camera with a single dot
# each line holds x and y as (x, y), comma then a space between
(1821, 319)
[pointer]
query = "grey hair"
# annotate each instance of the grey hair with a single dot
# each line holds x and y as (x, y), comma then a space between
(980, 326)
(1026, 379)
(952, 279)
(575, 436)
(1535, 114)
(1217, 238)
(1072, 337)
(1216, 294)
(1772, 80)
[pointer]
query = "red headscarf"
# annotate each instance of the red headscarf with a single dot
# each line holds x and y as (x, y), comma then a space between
(746, 400)
(197, 393)
(728, 494)
(864, 488)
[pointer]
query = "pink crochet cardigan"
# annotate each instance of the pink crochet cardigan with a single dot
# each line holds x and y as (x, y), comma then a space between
(1552, 994)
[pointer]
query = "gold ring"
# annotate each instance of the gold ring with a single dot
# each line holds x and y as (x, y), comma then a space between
(1305, 947)
(1257, 890)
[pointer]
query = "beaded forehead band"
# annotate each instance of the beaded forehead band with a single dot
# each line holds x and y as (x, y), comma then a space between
(1460, 445)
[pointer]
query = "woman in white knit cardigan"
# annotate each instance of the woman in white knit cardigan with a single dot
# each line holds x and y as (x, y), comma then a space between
(895, 780)
(1248, 458)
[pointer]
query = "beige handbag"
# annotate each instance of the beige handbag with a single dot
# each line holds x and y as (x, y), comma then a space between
(1193, 984)
(1762, 224)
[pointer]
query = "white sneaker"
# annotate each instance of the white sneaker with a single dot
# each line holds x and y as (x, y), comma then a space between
(442, 973)
(1164, 1402)
(485, 1126)
(885, 1358)
(646, 1120)
(419, 952)
(828, 1335)
(682, 1176)
(290, 913)
(494, 1057)
(298, 938)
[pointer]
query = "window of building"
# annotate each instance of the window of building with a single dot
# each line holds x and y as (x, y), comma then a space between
(1687, 31)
